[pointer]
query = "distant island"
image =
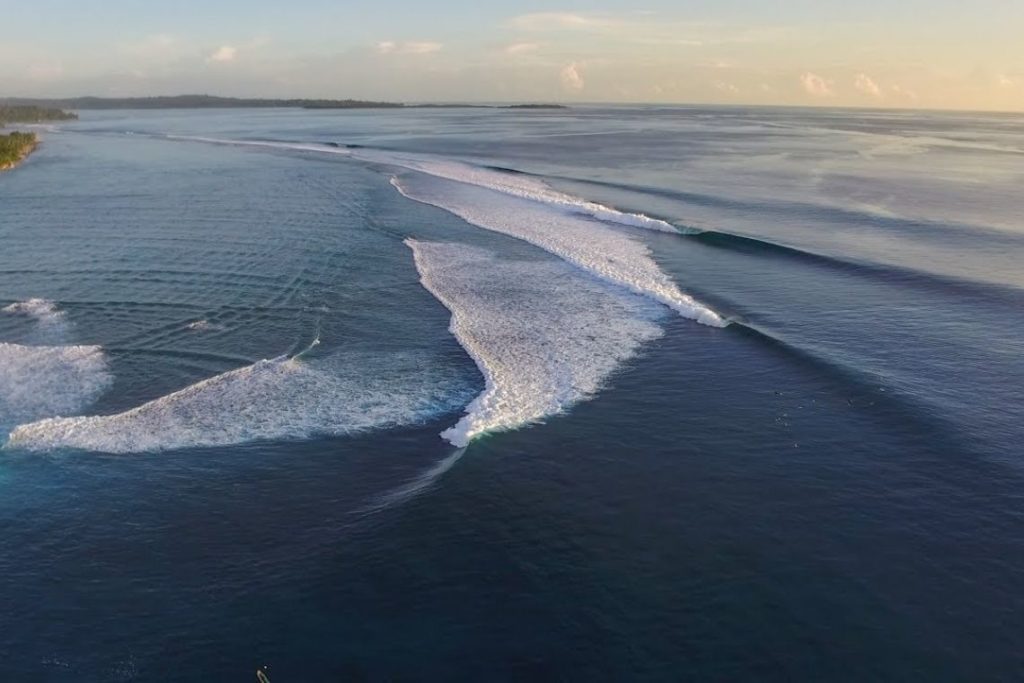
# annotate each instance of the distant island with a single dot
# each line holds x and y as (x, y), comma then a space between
(213, 102)
(14, 147)
(25, 113)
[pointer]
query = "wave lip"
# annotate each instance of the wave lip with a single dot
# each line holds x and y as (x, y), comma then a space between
(544, 336)
(284, 398)
(602, 251)
(40, 381)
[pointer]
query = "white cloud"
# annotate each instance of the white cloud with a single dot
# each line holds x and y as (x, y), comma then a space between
(571, 77)
(650, 29)
(815, 85)
(521, 48)
(557, 21)
(866, 85)
(727, 88)
(1005, 81)
(390, 47)
(225, 53)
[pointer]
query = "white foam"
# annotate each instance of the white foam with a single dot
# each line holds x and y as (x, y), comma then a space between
(43, 310)
(610, 254)
(279, 399)
(544, 335)
(42, 381)
(516, 185)
(203, 326)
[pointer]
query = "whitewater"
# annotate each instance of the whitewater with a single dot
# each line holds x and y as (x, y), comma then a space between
(48, 378)
(543, 335)
(284, 398)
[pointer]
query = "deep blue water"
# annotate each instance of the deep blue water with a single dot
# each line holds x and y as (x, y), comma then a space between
(810, 470)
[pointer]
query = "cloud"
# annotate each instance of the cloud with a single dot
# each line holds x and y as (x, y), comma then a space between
(521, 48)
(866, 85)
(815, 85)
(390, 47)
(1005, 81)
(225, 53)
(571, 77)
(650, 29)
(727, 88)
(558, 21)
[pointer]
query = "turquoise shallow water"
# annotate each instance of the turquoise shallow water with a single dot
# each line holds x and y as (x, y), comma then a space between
(250, 374)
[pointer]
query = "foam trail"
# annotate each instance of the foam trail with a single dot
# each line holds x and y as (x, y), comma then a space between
(279, 399)
(544, 335)
(41, 381)
(408, 491)
(602, 251)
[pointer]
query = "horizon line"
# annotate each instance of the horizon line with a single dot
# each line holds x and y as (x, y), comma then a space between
(564, 103)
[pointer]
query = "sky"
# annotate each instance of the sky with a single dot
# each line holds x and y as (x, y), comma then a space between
(949, 54)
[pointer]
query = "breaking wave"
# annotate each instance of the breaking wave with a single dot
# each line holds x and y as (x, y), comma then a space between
(602, 251)
(284, 398)
(506, 181)
(543, 335)
(516, 185)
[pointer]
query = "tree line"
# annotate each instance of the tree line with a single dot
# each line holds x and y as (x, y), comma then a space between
(32, 114)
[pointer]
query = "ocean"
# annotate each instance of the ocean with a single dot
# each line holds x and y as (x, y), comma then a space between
(601, 393)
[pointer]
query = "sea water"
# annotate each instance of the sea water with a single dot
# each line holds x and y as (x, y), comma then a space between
(605, 393)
